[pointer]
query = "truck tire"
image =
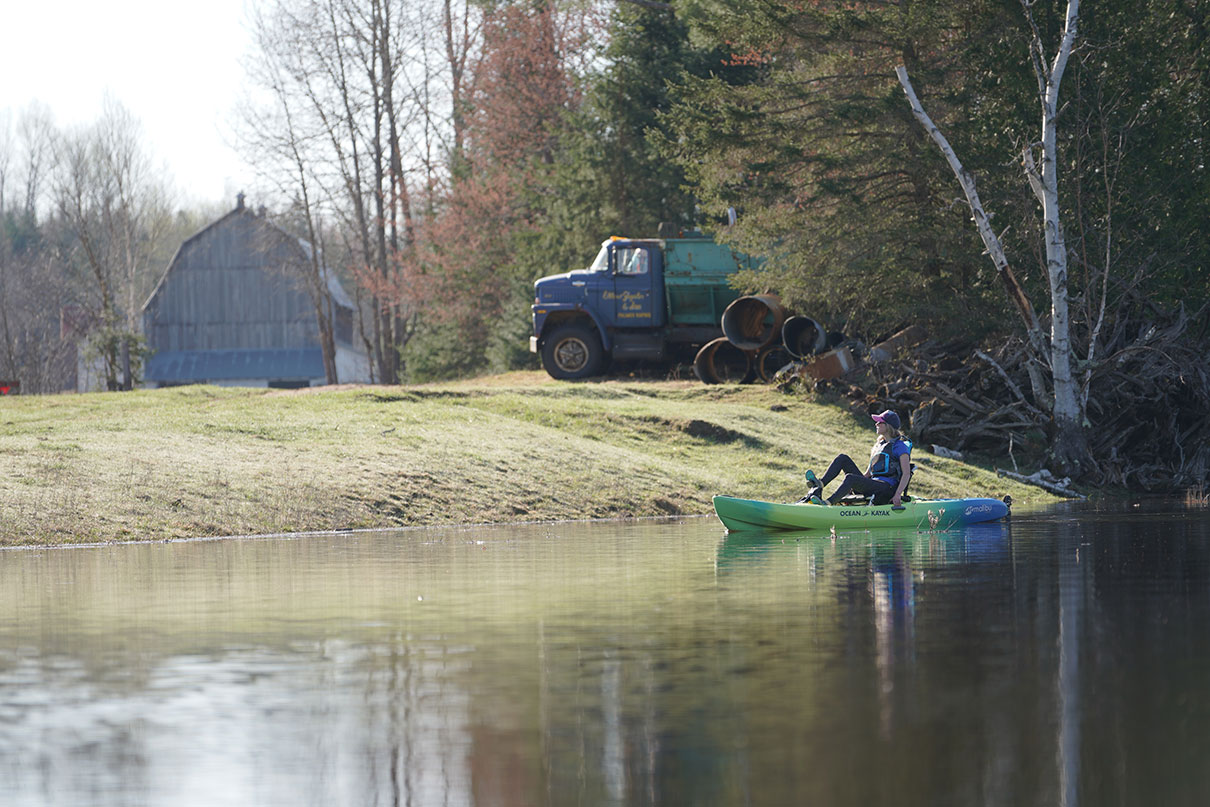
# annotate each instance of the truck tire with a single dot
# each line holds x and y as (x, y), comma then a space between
(572, 351)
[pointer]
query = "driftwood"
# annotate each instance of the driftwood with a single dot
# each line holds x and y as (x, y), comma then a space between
(1045, 480)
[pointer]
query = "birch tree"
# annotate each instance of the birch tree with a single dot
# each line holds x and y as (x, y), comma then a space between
(1070, 443)
(6, 158)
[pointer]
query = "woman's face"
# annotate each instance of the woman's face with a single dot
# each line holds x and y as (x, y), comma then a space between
(883, 429)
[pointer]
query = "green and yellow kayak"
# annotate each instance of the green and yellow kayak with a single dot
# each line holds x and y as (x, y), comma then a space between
(919, 514)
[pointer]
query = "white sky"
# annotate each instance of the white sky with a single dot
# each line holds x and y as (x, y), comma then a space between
(175, 65)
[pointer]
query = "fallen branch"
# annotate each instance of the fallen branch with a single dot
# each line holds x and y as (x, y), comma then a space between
(1044, 479)
(995, 249)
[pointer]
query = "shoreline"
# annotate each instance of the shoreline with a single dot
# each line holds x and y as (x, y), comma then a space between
(208, 462)
(271, 536)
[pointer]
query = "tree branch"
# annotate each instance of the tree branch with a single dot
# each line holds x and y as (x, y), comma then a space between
(994, 249)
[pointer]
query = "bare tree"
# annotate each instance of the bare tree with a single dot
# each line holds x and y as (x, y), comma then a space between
(35, 347)
(277, 133)
(374, 108)
(1070, 445)
(114, 207)
(37, 133)
(7, 148)
(33, 287)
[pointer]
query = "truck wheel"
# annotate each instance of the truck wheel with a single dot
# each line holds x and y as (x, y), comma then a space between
(572, 351)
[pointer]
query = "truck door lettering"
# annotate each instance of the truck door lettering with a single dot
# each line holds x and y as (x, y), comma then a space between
(630, 304)
(630, 300)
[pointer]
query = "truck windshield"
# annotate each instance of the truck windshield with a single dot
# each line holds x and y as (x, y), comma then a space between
(601, 262)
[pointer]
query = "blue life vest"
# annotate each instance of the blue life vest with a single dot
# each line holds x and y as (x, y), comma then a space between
(884, 464)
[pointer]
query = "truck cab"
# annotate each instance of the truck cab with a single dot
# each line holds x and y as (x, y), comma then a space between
(579, 314)
(639, 298)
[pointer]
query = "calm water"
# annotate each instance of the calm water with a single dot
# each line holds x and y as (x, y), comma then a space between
(1064, 659)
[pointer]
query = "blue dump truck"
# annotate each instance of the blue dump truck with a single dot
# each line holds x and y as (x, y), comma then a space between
(655, 299)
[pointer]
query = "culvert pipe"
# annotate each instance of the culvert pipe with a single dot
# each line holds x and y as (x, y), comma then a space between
(721, 362)
(754, 321)
(803, 337)
(770, 359)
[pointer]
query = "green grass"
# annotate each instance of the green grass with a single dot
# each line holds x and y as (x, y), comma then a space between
(203, 461)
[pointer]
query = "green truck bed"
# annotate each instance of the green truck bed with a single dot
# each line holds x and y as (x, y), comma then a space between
(697, 273)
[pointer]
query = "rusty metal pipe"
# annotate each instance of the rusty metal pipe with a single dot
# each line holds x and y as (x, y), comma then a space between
(754, 321)
(721, 362)
(771, 359)
(803, 337)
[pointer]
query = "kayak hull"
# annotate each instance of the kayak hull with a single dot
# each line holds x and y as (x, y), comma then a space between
(919, 514)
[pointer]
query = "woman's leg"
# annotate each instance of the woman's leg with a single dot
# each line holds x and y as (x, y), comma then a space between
(842, 464)
(859, 483)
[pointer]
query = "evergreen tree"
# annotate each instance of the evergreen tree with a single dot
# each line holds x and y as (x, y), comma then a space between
(824, 162)
(827, 165)
(613, 176)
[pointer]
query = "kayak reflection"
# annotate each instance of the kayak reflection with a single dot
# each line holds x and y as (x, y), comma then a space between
(872, 580)
(973, 543)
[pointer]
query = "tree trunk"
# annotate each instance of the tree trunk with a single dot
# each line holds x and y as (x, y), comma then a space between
(127, 375)
(1071, 445)
(388, 354)
(327, 343)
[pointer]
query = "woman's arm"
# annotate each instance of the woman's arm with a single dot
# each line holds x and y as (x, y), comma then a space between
(905, 476)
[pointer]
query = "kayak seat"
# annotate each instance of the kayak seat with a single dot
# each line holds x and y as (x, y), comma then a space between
(905, 497)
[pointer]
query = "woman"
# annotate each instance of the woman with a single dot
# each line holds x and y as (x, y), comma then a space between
(885, 479)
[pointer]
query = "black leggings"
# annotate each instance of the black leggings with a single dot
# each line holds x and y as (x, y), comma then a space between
(855, 481)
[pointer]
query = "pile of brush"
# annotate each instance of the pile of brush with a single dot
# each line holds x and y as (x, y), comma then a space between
(1146, 394)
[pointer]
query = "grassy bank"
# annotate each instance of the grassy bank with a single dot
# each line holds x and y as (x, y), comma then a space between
(200, 461)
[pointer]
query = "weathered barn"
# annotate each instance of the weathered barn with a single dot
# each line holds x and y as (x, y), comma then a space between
(232, 309)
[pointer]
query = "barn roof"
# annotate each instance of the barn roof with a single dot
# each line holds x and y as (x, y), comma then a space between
(339, 295)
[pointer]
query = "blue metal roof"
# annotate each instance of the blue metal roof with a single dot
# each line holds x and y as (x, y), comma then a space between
(176, 366)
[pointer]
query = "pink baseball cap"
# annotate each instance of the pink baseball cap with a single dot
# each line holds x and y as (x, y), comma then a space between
(888, 417)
